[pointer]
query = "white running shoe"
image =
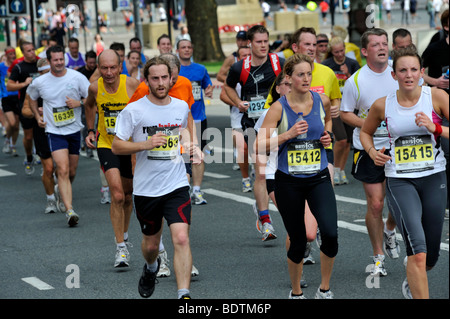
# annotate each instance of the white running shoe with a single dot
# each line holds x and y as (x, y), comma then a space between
(122, 257)
(51, 207)
(324, 295)
(378, 266)
(106, 197)
(268, 232)
(296, 297)
(59, 202)
(258, 221)
(246, 185)
(72, 217)
(391, 246)
(197, 198)
(164, 270)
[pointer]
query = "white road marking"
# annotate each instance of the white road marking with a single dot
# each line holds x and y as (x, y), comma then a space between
(37, 283)
(215, 175)
(341, 224)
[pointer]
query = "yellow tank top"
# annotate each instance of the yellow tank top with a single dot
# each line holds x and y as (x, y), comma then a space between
(109, 106)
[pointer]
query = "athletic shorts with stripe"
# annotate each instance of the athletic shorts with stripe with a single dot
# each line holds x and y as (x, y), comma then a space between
(175, 207)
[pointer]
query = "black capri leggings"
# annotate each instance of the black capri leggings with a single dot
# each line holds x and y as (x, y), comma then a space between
(291, 193)
(418, 207)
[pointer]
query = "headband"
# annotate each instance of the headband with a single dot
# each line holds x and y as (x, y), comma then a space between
(44, 67)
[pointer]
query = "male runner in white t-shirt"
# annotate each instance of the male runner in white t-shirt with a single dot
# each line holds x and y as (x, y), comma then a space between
(153, 128)
(372, 81)
(63, 92)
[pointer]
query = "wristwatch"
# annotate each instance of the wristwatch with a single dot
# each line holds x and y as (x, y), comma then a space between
(91, 130)
(331, 135)
(81, 103)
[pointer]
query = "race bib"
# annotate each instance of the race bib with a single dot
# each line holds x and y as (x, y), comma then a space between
(168, 151)
(110, 118)
(413, 154)
(63, 116)
(304, 157)
(256, 107)
(197, 90)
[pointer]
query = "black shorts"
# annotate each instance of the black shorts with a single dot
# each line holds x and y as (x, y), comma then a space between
(11, 104)
(365, 170)
(110, 160)
(201, 127)
(41, 142)
(175, 207)
(270, 185)
(24, 121)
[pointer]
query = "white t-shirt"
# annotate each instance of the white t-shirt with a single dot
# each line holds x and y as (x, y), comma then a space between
(53, 90)
(387, 4)
(162, 170)
(414, 150)
(361, 93)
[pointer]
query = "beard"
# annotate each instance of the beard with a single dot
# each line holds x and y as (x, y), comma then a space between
(160, 92)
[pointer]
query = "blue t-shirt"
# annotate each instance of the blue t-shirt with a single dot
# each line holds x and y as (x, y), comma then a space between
(3, 80)
(200, 80)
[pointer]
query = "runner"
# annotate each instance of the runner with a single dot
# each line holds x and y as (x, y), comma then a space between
(108, 96)
(63, 92)
(240, 148)
(180, 88)
(369, 83)
(153, 128)
(343, 67)
(256, 75)
(200, 81)
(21, 76)
(415, 165)
(10, 104)
(74, 58)
(297, 180)
(42, 147)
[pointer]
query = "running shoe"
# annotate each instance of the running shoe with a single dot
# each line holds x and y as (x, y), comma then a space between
(391, 246)
(122, 257)
(106, 197)
(378, 266)
(344, 179)
(72, 217)
(6, 148)
(185, 297)
(291, 296)
(405, 289)
(258, 221)
(197, 198)
(147, 281)
(324, 295)
(308, 258)
(337, 178)
(14, 151)
(236, 167)
(246, 185)
(51, 207)
(29, 168)
(268, 232)
(59, 202)
(194, 271)
(164, 270)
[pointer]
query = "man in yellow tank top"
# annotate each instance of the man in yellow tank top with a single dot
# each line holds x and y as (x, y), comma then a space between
(111, 93)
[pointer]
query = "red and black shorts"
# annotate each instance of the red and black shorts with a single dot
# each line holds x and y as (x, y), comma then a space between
(175, 207)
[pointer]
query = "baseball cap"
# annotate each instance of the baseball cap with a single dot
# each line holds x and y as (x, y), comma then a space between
(241, 35)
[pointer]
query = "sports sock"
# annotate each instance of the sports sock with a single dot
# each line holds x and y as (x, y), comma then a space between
(264, 216)
(196, 188)
(152, 267)
(182, 292)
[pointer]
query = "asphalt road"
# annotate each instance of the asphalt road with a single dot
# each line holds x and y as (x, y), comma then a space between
(43, 258)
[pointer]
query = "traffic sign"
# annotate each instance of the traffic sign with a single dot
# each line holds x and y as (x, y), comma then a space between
(17, 7)
(3, 9)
